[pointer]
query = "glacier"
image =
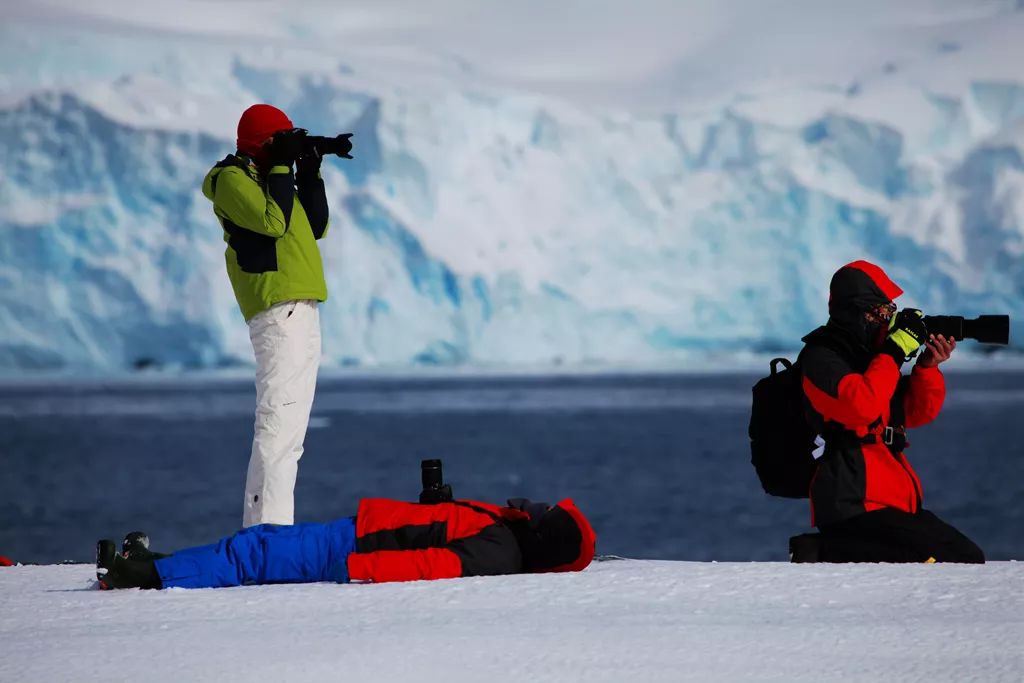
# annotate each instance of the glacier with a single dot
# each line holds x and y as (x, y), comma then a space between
(495, 219)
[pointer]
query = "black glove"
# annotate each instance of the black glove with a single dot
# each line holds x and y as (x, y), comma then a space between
(907, 332)
(308, 162)
(285, 147)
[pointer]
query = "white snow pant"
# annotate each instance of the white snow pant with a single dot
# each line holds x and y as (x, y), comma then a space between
(286, 340)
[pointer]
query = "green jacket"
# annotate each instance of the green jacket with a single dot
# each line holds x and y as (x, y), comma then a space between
(271, 229)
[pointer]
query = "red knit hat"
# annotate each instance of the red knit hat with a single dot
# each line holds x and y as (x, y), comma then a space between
(259, 122)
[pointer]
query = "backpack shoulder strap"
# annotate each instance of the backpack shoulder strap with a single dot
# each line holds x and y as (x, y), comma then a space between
(897, 406)
(233, 160)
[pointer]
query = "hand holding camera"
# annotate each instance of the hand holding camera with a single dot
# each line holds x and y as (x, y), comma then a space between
(907, 332)
(909, 329)
(297, 145)
(285, 147)
(938, 349)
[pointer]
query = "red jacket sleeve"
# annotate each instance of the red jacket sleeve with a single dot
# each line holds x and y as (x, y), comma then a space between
(404, 565)
(925, 396)
(852, 399)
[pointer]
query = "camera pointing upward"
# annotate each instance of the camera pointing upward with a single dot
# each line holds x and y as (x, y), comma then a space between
(434, 488)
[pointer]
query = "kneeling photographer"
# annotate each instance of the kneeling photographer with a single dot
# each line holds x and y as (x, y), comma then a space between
(866, 499)
(272, 218)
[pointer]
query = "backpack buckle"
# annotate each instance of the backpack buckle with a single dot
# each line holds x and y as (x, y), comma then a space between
(888, 436)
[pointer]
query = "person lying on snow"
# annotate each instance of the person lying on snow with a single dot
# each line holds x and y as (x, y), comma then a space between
(865, 496)
(387, 540)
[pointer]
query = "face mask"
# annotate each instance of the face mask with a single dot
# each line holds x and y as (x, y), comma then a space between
(877, 321)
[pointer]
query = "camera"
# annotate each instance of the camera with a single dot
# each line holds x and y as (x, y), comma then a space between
(339, 145)
(434, 488)
(297, 143)
(987, 329)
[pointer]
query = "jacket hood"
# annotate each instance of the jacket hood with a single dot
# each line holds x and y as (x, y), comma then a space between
(558, 538)
(856, 288)
(861, 286)
(210, 181)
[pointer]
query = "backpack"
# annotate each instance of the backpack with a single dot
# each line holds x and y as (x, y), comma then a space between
(783, 447)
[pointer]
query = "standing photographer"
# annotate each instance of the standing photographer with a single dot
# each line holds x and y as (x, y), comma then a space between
(865, 496)
(272, 219)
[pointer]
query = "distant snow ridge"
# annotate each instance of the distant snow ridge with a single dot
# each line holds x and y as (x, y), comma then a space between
(486, 226)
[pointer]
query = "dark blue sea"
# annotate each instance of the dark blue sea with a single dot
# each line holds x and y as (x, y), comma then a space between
(660, 463)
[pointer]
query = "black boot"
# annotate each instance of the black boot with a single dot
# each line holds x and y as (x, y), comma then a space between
(805, 548)
(114, 571)
(135, 546)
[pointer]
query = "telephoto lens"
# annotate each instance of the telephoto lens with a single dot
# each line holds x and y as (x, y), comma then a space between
(339, 145)
(987, 329)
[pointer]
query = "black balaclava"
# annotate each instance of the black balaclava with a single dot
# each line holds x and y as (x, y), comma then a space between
(857, 288)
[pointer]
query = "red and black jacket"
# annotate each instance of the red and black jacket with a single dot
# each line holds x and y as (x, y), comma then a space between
(851, 405)
(852, 395)
(400, 541)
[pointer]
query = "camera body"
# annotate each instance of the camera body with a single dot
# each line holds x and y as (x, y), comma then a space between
(434, 489)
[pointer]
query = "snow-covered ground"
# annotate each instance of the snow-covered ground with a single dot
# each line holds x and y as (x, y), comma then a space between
(619, 620)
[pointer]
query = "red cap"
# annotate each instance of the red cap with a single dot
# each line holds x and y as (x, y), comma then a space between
(259, 122)
(5, 562)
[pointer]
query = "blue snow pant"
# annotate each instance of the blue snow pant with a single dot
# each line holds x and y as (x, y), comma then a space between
(266, 553)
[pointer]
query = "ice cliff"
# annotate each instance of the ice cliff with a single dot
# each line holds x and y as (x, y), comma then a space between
(488, 222)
